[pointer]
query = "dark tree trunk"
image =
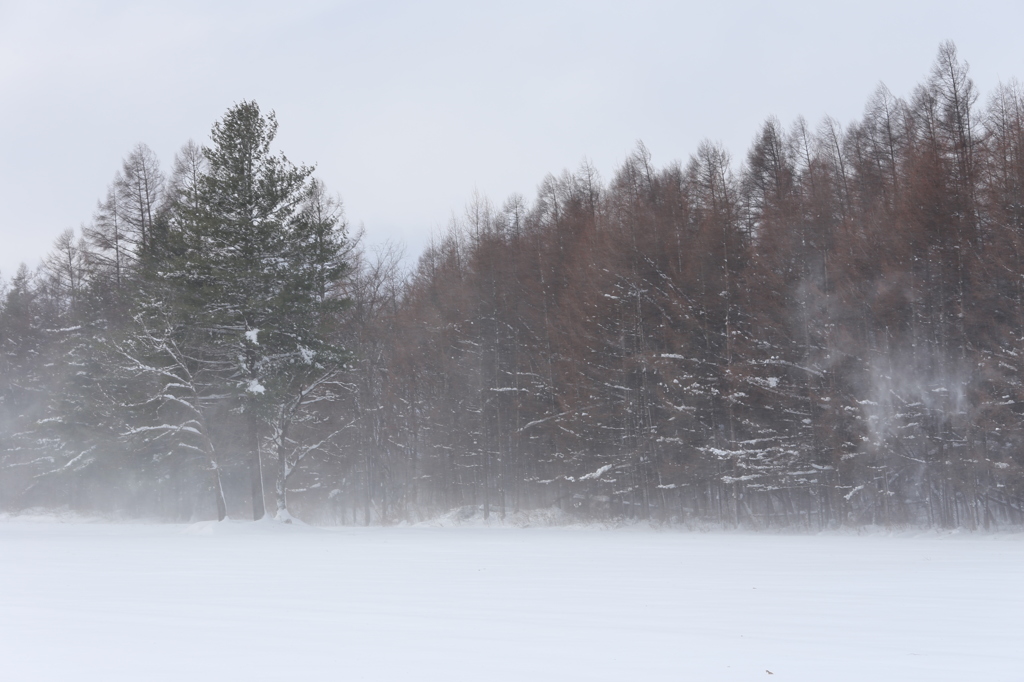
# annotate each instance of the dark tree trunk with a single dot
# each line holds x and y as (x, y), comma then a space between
(259, 509)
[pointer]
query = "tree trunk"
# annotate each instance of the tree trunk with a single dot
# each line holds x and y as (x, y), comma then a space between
(218, 492)
(281, 488)
(259, 509)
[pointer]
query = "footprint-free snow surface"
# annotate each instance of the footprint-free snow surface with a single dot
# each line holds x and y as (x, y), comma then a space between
(237, 601)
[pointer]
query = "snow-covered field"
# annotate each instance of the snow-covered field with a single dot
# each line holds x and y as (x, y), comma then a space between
(236, 601)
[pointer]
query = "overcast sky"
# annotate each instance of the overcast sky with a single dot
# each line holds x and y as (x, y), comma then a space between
(407, 108)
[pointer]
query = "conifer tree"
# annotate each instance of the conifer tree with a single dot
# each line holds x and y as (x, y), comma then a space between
(261, 249)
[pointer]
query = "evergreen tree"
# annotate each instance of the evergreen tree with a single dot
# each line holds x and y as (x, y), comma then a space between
(261, 248)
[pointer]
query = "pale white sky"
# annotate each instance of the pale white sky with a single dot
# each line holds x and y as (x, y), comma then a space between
(407, 108)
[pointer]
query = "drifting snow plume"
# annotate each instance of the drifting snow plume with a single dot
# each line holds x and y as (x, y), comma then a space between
(914, 400)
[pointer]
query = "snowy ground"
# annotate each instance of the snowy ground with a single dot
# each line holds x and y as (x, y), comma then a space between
(95, 601)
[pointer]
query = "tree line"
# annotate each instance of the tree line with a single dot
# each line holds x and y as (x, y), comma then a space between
(829, 332)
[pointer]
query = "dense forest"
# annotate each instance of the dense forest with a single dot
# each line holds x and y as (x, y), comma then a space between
(828, 331)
